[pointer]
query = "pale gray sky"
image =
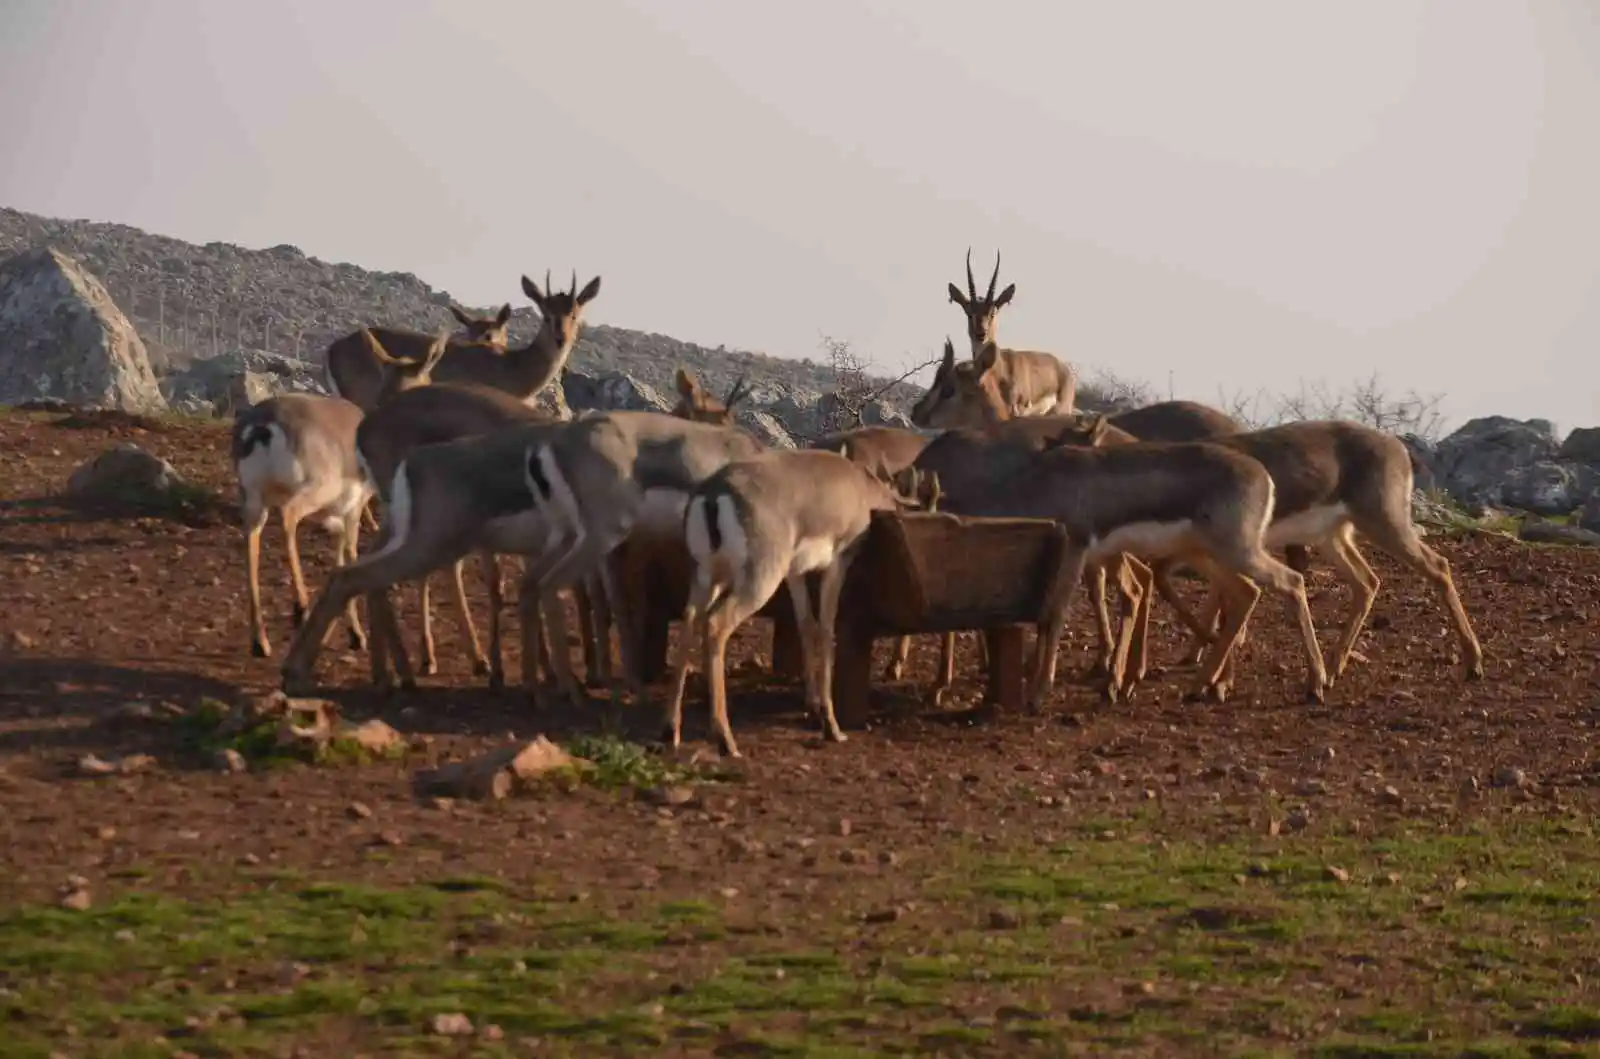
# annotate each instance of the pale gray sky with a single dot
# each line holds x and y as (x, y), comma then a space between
(1238, 193)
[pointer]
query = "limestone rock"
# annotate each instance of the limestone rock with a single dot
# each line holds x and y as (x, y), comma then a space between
(124, 474)
(611, 392)
(62, 336)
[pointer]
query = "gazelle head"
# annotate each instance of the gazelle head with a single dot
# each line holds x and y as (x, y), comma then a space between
(981, 312)
(1090, 432)
(405, 373)
(697, 404)
(562, 310)
(965, 394)
(488, 330)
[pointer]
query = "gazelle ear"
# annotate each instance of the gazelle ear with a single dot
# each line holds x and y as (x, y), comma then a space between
(376, 348)
(460, 316)
(504, 316)
(957, 296)
(589, 291)
(685, 383)
(1005, 295)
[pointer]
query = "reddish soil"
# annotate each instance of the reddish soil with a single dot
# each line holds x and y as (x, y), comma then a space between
(101, 610)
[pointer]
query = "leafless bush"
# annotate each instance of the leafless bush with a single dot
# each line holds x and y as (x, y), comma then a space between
(1105, 391)
(1366, 402)
(853, 388)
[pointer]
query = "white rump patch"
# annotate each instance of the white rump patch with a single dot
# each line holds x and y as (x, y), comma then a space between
(397, 516)
(1150, 540)
(1043, 406)
(1310, 527)
(270, 473)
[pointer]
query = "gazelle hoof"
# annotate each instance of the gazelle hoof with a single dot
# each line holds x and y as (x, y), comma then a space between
(429, 667)
(357, 641)
(480, 667)
(1475, 670)
(729, 749)
(297, 616)
(497, 682)
(936, 696)
(260, 649)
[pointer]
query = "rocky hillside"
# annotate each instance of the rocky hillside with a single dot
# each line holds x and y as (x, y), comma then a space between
(192, 302)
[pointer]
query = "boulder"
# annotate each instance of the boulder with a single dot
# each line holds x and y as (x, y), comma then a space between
(1474, 463)
(766, 428)
(612, 392)
(1547, 487)
(1582, 446)
(125, 474)
(228, 382)
(62, 336)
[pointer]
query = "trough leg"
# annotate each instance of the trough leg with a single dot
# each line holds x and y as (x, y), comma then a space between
(852, 667)
(788, 657)
(1006, 666)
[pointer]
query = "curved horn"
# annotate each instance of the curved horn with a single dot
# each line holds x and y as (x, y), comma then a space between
(575, 282)
(736, 394)
(972, 288)
(547, 289)
(990, 296)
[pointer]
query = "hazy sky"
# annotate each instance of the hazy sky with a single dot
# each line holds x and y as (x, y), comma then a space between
(1232, 194)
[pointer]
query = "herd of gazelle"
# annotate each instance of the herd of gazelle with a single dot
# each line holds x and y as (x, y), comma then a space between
(442, 432)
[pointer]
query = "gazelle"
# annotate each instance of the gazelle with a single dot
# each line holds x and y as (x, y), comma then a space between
(1333, 479)
(1025, 382)
(1199, 502)
(351, 370)
(612, 476)
(697, 403)
(522, 371)
(768, 520)
(297, 453)
(446, 500)
(412, 411)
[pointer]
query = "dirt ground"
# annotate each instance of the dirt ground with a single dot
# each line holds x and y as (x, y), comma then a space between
(909, 824)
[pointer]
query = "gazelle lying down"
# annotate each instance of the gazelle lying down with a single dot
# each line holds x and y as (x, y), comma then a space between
(1197, 502)
(1332, 479)
(768, 520)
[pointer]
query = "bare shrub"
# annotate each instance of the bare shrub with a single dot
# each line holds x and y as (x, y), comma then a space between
(1366, 402)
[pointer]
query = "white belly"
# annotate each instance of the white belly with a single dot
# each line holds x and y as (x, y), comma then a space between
(812, 554)
(1149, 540)
(1311, 527)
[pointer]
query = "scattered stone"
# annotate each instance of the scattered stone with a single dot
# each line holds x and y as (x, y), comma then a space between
(1470, 786)
(230, 760)
(77, 898)
(390, 838)
(1004, 919)
(1298, 819)
(374, 736)
(93, 765)
(492, 1032)
(496, 774)
(1333, 873)
(1510, 776)
(674, 795)
(1540, 531)
(842, 828)
(1390, 795)
(359, 810)
(1327, 753)
(451, 1025)
(883, 915)
(1307, 787)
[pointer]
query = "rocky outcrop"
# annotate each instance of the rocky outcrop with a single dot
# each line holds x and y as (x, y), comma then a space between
(223, 384)
(125, 474)
(612, 392)
(1496, 462)
(61, 336)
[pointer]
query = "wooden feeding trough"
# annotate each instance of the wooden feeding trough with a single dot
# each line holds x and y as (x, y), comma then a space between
(918, 573)
(926, 572)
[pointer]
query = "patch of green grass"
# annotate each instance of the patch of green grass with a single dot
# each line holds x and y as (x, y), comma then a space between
(1131, 945)
(618, 763)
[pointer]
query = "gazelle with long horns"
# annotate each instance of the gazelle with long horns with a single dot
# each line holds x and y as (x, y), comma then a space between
(1026, 382)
